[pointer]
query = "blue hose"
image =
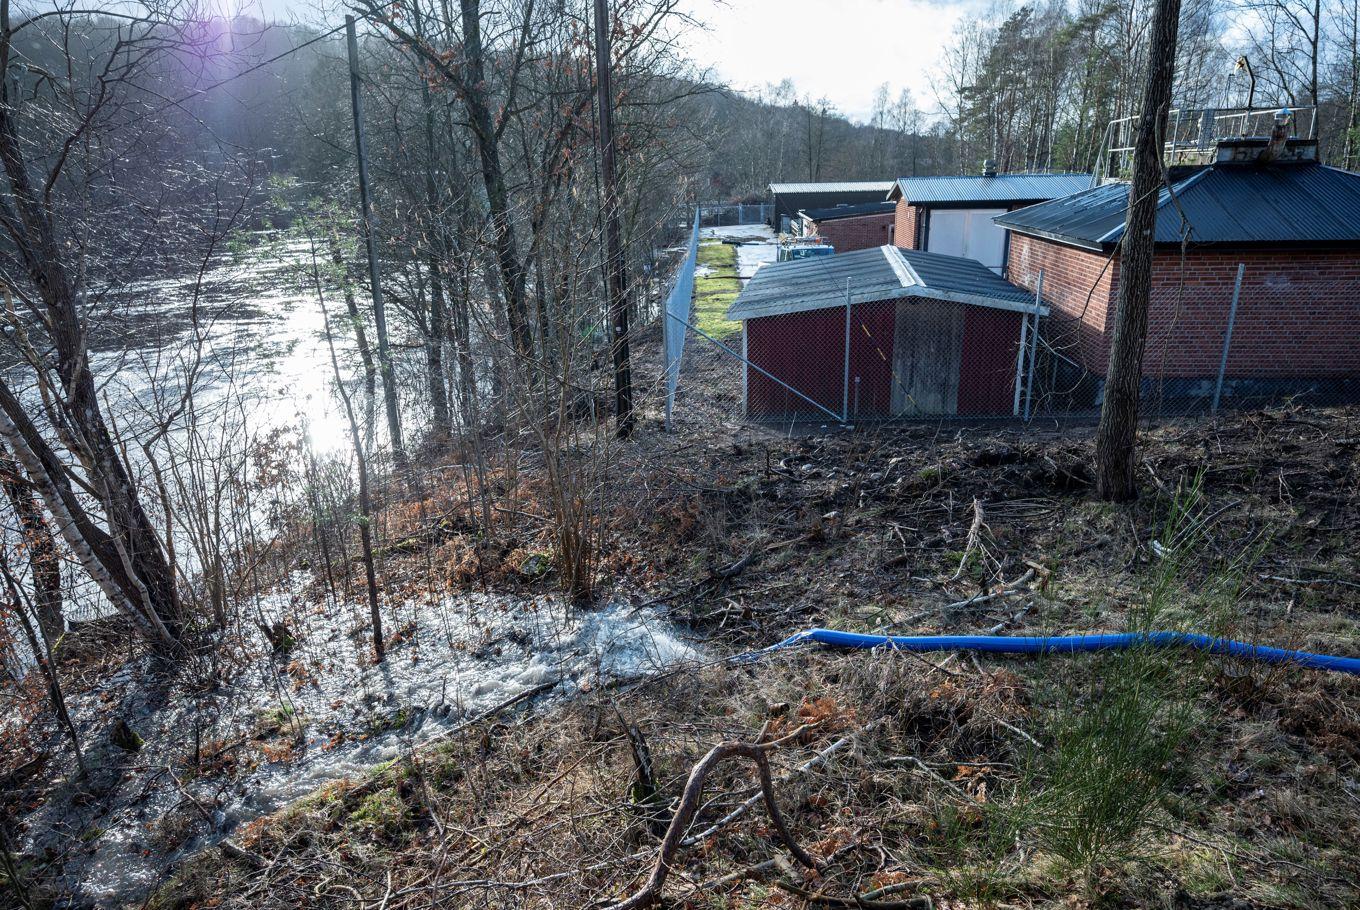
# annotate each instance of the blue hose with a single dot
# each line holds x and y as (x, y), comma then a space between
(1064, 644)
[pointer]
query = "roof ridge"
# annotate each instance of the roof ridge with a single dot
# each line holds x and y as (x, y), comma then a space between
(905, 272)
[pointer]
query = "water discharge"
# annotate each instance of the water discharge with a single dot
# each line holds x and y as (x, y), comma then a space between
(286, 723)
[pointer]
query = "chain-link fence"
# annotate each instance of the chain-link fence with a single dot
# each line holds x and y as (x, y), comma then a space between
(1256, 338)
(674, 324)
(875, 360)
(1248, 337)
(723, 214)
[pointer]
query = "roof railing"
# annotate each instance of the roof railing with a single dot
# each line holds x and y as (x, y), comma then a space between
(1193, 134)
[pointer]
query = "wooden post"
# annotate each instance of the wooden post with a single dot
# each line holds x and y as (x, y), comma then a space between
(374, 275)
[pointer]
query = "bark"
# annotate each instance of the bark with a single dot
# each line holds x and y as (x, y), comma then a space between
(361, 464)
(389, 382)
(95, 549)
(356, 319)
(40, 544)
(434, 349)
(1116, 435)
(616, 273)
(42, 653)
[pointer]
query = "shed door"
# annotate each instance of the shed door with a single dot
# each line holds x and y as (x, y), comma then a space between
(927, 350)
(970, 233)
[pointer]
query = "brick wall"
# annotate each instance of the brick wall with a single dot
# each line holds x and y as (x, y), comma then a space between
(1078, 287)
(850, 234)
(906, 222)
(1298, 315)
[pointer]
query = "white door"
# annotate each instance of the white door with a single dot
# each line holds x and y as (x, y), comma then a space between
(970, 233)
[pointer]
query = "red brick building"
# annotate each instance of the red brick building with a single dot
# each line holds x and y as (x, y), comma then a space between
(953, 215)
(1293, 227)
(851, 227)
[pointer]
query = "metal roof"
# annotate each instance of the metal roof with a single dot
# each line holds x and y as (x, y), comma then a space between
(1002, 188)
(849, 211)
(878, 273)
(873, 186)
(1229, 204)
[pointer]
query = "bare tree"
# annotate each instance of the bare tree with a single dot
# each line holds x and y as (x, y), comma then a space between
(121, 548)
(1116, 436)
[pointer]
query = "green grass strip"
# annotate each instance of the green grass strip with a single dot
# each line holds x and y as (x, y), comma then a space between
(715, 291)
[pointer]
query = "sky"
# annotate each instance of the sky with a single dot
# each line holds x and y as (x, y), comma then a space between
(841, 50)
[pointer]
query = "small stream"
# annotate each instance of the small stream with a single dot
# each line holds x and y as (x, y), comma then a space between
(285, 724)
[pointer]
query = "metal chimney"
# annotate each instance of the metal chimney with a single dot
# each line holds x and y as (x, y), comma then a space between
(1279, 134)
(989, 168)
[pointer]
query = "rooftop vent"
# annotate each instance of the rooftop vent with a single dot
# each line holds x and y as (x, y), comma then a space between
(989, 168)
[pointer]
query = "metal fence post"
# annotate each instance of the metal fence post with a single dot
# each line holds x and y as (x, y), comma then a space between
(1227, 338)
(1034, 347)
(1020, 363)
(666, 356)
(845, 378)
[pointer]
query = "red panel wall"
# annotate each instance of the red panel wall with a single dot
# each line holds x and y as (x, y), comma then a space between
(991, 340)
(806, 350)
(871, 354)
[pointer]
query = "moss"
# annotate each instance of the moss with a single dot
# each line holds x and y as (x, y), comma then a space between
(381, 813)
(273, 720)
(380, 722)
(715, 291)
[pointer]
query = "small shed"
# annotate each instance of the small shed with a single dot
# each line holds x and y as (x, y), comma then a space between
(881, 333)
(953, 215)
(791, 198)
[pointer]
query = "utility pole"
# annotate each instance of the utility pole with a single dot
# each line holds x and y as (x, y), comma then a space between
(1117, 433)
(616, 275)
(374, 277)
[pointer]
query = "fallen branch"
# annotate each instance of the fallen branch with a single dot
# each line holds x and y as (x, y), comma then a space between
(690, 798)
(818, 759)
(974, 538)
(242, 855)
(1006, 590)
(861, 901)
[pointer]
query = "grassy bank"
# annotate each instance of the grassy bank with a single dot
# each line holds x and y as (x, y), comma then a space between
(715, 287)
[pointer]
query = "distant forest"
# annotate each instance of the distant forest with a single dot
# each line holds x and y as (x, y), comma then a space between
(1031, 86)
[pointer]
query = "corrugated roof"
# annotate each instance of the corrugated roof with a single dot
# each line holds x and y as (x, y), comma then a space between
(960, 275)
(850, 211)
(1003, 188)
(1228, 204)
(872, 186)
(879, 273)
